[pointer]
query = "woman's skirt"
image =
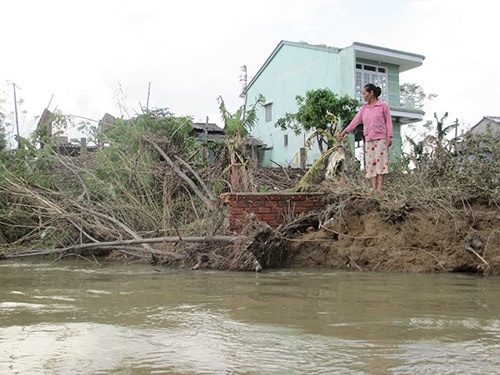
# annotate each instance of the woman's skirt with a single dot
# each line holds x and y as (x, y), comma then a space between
(376, 157)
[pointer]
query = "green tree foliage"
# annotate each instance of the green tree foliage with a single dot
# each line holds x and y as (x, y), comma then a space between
(321, 112)
(3, 135)
(315, 112)
(433, 143)
(442, 130)
(413, 95)
(463, 168)
(126, 166)
(239, 124)
(126, 179)
(128, 134)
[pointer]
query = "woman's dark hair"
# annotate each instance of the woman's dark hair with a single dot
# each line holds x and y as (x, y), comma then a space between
(370, 87)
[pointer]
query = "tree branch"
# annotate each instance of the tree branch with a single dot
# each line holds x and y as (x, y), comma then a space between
(210, 203)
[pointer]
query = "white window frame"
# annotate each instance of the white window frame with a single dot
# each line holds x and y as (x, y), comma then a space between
(369, 73)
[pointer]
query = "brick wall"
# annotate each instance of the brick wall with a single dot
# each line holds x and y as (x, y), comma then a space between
(272, 208)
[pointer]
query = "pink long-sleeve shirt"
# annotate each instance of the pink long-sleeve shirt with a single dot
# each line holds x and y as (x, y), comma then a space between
(376, 120)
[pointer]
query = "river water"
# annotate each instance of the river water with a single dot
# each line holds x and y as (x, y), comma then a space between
(76, 317)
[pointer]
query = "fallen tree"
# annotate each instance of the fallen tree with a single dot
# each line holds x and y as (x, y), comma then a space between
(78, 248)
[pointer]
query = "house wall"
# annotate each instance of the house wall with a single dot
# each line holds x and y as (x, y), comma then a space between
(394, 101)
(397, 144)
(293, 71)
(393, 85)
(345, 75)
(487, 125)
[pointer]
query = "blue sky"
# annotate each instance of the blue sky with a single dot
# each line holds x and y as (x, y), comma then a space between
(99, 56)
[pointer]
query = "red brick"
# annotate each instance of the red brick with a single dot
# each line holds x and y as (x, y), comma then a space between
(270, 204)
(237, 211)
(283, 203)
(267, 217)
(306, 204)
(272, 208)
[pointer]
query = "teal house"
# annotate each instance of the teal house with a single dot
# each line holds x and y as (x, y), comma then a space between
(294, 68)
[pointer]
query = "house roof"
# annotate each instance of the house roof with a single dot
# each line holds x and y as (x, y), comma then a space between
(250, 140)
(495, 119)
(107, 122)
(211, 128)
(214, 133)
(405, 60)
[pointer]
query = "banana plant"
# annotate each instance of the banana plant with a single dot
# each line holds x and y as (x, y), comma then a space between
(237, 126)
(321, 163)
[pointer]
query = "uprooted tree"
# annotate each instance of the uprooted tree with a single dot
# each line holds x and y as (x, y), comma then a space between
(148, 181)
(320, 113)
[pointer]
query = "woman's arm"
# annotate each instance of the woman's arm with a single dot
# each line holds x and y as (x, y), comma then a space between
(358, 119)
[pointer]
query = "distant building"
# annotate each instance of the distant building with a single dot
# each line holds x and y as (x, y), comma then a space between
(487, 124)
(205, 133)
(107, 122)
(294, 68)
(209, 132)
(44, 127)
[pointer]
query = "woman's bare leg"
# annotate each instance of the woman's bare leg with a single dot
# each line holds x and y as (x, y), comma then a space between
(380, 182)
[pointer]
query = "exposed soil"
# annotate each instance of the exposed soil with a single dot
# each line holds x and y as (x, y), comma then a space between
(361, 234)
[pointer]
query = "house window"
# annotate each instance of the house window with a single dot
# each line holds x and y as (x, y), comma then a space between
(285, 140)
(371, 74)
(269, 111)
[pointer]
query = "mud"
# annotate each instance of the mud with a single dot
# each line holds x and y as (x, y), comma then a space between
(368, 234)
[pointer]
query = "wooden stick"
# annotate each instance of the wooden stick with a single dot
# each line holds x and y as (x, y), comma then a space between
(471, 250)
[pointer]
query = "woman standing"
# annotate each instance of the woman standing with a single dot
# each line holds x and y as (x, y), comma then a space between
(377, 129)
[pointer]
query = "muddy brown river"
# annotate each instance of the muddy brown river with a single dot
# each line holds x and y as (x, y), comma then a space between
(77, 317)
